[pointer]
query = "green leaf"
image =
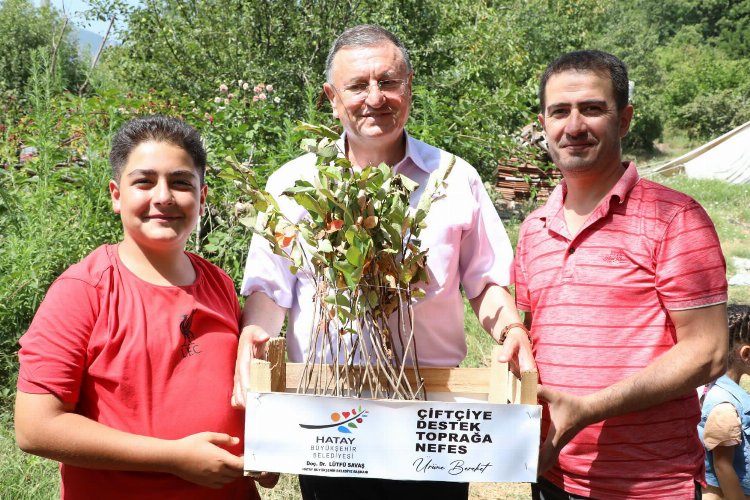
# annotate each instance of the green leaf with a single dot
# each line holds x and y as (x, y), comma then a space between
(310, 204)
(320, 130)
(338, 299)
(394, 233)
(324, 245)
(347, 272)
(333, 173)
(299, 187)
(328, 152)
(409, 184)
(231, 175)
(309, 145)
(248, 221)
(354, 256)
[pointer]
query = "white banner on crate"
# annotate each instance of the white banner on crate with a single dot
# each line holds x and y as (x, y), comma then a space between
(414, 440)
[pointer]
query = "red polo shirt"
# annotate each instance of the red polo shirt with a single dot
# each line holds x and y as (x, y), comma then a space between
(600, 304)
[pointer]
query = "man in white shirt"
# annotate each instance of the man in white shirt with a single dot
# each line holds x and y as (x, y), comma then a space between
(369, 82)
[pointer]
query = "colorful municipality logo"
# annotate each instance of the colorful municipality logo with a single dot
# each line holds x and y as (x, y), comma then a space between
(344, 421)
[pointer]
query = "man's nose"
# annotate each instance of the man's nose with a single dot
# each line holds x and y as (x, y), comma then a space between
(375, 96)
(576, 124)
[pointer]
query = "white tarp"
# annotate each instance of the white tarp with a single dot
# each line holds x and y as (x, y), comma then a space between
(742, 276)
(726, 158)
(412, 440)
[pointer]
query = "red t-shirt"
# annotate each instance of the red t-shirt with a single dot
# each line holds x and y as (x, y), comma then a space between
(138, 357)
(600, 306)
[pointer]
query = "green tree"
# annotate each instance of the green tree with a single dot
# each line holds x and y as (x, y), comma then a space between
(27, 29)
(629, 36)
(734, 29)
(689, 61)
(193, 47)
(469, 60)
(705, 91)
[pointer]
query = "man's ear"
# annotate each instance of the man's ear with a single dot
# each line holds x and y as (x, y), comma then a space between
(114, 192)
(626, 116)
(204, 192)
(744, 353)
(331, 94)
(540, 117)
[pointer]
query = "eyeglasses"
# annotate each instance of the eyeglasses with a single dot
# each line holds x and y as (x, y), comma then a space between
(389, 88)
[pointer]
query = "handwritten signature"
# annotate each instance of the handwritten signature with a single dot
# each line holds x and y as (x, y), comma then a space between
(454, 468)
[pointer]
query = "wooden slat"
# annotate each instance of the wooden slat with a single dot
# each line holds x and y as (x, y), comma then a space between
(260, 381)
(514, 389)
(498, 389)
(260, 376)
(497, 382)
(465, 380)
(529, 382)
(275, 354)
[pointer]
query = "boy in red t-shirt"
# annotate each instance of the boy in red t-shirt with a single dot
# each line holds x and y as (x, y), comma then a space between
(126, 371)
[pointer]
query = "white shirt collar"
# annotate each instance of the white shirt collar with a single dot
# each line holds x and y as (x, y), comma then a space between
(413, 152)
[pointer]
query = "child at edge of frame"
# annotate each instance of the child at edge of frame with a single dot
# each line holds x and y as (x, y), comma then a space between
(725, 422)
(126, 370)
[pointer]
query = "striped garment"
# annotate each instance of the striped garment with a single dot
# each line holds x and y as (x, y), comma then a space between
(599, 303)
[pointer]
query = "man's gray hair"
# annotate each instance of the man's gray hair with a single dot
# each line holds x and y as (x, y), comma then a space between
(365, 35)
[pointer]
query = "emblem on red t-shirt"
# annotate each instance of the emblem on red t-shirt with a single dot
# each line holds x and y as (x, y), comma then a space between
(189, 347)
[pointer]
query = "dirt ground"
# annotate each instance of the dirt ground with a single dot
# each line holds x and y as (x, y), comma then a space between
(496, 491)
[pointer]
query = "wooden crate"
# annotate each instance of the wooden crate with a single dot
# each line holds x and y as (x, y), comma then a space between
(275, 442)
(500, 385)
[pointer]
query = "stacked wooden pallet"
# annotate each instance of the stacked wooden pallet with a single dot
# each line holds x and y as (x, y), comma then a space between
(518, 179)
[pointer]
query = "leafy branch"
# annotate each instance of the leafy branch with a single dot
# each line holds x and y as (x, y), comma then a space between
(359, 243)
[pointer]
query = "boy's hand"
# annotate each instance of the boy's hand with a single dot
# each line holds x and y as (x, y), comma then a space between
(200, 459)
(252, 345)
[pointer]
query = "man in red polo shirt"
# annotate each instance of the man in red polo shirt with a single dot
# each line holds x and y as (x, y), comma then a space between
(624, 282)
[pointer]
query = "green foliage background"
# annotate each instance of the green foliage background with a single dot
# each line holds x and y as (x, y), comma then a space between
(28, 32)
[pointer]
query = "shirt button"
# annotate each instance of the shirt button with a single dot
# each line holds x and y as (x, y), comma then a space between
(571, 250)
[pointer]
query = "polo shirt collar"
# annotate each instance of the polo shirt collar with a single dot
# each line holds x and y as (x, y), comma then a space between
(552, 210)
(620, 191)
(626, 183)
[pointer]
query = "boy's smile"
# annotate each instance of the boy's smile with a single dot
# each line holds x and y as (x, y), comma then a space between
(159, 196)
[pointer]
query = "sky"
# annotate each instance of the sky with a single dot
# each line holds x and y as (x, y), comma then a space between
(75, 8)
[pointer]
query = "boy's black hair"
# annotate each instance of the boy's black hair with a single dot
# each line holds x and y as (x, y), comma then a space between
(156, 128)
(739, 326)
(602, 63)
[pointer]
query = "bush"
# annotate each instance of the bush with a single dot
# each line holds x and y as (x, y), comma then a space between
(708, 116)
(705, 91)
(55, 208)
(27, 30)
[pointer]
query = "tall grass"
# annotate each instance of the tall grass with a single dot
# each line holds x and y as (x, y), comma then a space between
(24, 476)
